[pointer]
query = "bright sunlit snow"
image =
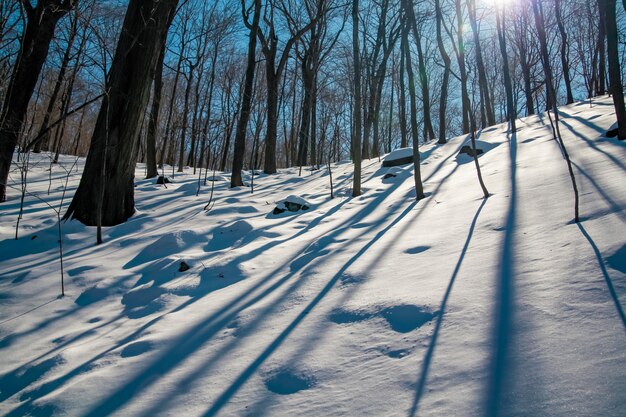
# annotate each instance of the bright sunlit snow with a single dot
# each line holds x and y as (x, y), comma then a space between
(368, 306)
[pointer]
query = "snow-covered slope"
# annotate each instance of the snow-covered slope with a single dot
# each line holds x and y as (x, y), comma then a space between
(361, 306)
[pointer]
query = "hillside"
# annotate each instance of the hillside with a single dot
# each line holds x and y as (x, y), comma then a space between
(361, 306)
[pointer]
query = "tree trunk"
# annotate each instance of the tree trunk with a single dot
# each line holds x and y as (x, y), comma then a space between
(236, 179)
(508, 85)
(447, 62)
(600, 88)
(460, 57)
(429, 133)
(615, 86)
(356, 140)
(151, 162)
(67, 55)
(419, 187)
(402, 101)
(41, 22)
(564, 49)
(183, 135)
(482, 74)
(105, 195)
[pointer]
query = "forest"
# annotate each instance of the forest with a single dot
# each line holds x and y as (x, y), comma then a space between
(312, 207)
(230, 85)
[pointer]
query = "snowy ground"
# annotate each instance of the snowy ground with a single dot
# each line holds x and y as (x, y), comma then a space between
(372, 306)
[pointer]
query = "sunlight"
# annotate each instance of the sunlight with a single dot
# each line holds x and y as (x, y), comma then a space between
(498, 3)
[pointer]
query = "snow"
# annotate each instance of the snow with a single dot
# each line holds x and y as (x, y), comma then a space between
(374, 305)
(399, 154)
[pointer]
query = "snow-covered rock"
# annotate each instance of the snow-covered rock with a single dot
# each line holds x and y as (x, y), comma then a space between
(400, 156)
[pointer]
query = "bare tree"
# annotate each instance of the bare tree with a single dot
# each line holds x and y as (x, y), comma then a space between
(105, 195)
(615, 79)
(236, 179)
(356, 139)
(41, 21)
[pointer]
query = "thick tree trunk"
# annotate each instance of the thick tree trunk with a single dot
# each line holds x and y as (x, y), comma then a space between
(615, 81)
(40, 25)
(236, 179)
(105, 195)
(272, 80)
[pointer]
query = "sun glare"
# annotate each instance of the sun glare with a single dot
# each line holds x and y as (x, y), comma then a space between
(499, 2)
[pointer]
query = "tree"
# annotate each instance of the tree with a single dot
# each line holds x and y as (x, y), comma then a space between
(615, 80)
(419, 187)
(447, 62)
(41, 21)
(510, 104)
(274, 71)
(244, 116)
(486, 113)
(105, 195)
(547, 68)
(564, 52)
(356, 138)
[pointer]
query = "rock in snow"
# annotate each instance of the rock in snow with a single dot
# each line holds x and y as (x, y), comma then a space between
(400, 156)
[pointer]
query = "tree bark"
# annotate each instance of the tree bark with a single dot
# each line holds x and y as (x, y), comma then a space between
(153, 122)
(419, 187)
(508, 85)
(356, 145)
(105, 195)
(564, 52)
(482, 74)
(41, 21)
(447, 62)
(67, 55)
(615, 86)
(460, 56)
(236, 179)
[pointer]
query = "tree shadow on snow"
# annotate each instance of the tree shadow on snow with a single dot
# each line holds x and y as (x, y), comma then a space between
(421, 383)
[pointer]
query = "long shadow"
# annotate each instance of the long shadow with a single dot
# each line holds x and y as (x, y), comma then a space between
(615, 207)
(52, 385)
(421, 383)
(328, 239)
(251, 369)
(258, 408)
(29, 311)
(303, 263)
(593, 145)
(605, 273)
(503, 314)
(199, 334)
(49, 387)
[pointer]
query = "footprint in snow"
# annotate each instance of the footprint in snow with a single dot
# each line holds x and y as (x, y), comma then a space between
(406, 318)
(286, 381)
(136, 349)
(416, 250)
